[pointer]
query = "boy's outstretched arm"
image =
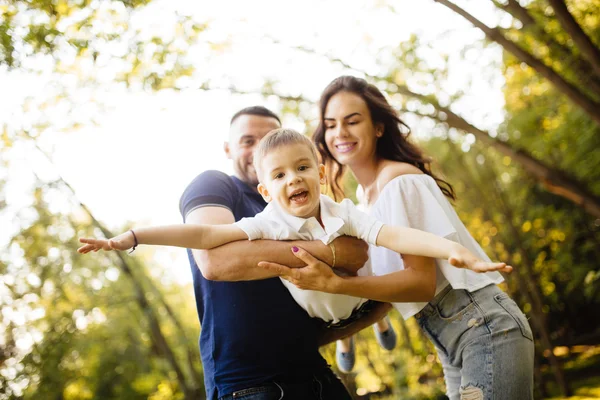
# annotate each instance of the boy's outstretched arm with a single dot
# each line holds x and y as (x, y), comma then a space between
(238, 261)
(182, 235)
(420, 243)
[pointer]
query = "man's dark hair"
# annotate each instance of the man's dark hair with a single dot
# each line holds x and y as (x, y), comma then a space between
(255, 110)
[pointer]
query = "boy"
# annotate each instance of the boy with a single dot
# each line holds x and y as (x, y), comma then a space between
(290, 177)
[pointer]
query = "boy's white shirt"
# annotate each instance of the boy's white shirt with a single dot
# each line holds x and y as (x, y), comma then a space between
(415, 201)
(338, 219)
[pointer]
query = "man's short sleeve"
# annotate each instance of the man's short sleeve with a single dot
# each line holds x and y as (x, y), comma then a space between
(360, 224)
(210, 188)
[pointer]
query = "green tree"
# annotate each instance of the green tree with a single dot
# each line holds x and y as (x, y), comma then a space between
(89, 327)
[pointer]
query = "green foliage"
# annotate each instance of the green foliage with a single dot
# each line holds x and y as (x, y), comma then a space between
(31, 27)
(552, 242)
(410, 371)
(82, 334)
(71, 32)
(77, 327)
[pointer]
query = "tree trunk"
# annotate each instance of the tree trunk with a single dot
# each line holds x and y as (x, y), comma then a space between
(554, 180)
(581, 69)
(158, 337)
(590, 106)
(583, 42)
(406, 341)
(527, 286)
(190, 391)
(523, 276)
(190, 352)
(539, 377)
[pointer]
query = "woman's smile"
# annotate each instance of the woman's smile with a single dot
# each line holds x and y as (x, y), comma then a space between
(345, 147)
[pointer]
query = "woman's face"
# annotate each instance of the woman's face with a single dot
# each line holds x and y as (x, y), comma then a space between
(350, 134)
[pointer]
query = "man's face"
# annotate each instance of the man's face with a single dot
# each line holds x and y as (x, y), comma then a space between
(244, 135)
(291, 177)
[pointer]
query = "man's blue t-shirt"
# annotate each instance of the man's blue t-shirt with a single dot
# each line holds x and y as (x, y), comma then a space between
(252, 331)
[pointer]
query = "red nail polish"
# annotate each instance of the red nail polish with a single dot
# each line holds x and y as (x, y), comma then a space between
(295, 249)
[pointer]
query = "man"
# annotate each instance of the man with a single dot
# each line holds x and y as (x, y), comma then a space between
(256, 342)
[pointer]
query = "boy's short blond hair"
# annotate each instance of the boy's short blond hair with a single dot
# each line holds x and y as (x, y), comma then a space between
(277, 138)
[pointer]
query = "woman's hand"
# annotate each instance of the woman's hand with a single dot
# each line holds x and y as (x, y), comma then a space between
(463, 258)
(315, 276)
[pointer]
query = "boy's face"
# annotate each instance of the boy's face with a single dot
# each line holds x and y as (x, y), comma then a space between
(291, 177)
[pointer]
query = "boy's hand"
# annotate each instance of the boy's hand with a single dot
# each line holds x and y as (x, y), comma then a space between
(124, 241)
(463, 258)
(93, 245)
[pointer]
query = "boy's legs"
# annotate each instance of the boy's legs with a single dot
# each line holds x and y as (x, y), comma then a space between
(345, 355)
(345, 345)
(385, 333)
(382, 325)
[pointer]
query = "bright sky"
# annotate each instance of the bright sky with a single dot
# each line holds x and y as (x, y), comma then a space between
(146, 147)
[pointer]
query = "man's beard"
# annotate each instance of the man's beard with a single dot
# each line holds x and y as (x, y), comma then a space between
(251, 176)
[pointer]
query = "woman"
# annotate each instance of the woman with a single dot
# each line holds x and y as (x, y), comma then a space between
(483, 340)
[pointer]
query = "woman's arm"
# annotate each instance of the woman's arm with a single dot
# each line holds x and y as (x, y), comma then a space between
(415, 283)
(421, 287)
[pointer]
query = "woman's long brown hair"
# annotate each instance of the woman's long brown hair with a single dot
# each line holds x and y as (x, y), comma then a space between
(392, 145)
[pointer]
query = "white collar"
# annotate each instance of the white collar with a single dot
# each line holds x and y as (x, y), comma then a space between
(331, 222)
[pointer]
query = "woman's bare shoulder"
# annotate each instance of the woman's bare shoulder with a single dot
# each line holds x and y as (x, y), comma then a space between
(394, 169)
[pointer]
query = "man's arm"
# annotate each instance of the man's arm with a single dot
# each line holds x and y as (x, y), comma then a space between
(351, 254)
(238, 261)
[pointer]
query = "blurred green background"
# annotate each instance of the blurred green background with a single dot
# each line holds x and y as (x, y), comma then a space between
(504, 95)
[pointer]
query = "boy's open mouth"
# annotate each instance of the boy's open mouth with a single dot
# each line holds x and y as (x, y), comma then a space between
(299, 196)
